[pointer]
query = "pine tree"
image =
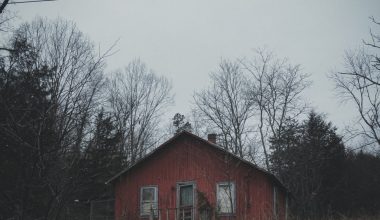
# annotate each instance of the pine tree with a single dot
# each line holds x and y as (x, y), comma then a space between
(180, 124)
(27, 154)
(308, 158)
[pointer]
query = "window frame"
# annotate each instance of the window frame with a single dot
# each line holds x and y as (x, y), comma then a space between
(155, 201)
(218, 186)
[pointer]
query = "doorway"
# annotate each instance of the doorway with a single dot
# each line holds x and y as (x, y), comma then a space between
(186, 201)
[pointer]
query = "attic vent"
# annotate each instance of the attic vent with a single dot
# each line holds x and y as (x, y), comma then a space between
(211, 138)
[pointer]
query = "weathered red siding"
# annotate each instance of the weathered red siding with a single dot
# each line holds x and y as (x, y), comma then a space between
(188, 159)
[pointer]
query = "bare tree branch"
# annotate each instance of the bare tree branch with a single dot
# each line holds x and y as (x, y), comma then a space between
(359, 84)
(31, 1)
(137, 98)
(225, 105)
(3, 5)
(275, 91)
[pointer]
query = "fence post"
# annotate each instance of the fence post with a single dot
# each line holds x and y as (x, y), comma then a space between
(151, 215)
(91, 209)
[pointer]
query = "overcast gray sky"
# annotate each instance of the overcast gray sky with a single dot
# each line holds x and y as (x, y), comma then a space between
(185, 40)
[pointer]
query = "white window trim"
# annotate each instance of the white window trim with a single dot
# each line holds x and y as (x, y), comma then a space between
(155, 200)
(233, 197)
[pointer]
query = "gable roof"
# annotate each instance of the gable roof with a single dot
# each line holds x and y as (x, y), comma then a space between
(208, 143)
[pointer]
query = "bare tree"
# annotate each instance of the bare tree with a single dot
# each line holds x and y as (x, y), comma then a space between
(275, 91)
(359, 84)
(225, 105)
(6, 26)
(74, 82)
(374, 43)
(3, 5)
(252, 96)
(137, 98)
(6, 2)
(5, 22)
(77, 77)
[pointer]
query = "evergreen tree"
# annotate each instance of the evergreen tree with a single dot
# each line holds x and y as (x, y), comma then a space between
(359, 191)
(27, 153)
(103, 158)
(308, 158)
(100, 160)
(180, 124)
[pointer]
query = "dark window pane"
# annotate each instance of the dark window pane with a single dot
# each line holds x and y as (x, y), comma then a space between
(186, 193)
(148, 194)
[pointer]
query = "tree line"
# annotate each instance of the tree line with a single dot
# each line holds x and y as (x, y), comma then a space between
(257, 108)
(67, 126)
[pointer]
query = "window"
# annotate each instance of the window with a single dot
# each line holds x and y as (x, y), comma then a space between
(149, 200)
(226, 197)
(186, 195)
(185, 200)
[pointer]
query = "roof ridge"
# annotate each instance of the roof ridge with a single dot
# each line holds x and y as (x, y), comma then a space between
(218, 147)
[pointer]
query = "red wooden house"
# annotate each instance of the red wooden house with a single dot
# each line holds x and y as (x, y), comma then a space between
(189, 178)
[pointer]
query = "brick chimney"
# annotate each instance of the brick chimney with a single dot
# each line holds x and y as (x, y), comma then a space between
(211, 138)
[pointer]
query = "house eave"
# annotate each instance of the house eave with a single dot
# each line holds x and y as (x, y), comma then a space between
(265, 172)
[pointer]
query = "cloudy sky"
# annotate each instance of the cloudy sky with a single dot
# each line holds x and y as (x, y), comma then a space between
(185, 40)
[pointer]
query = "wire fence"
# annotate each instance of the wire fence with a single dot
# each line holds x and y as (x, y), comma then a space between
(188, 213)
